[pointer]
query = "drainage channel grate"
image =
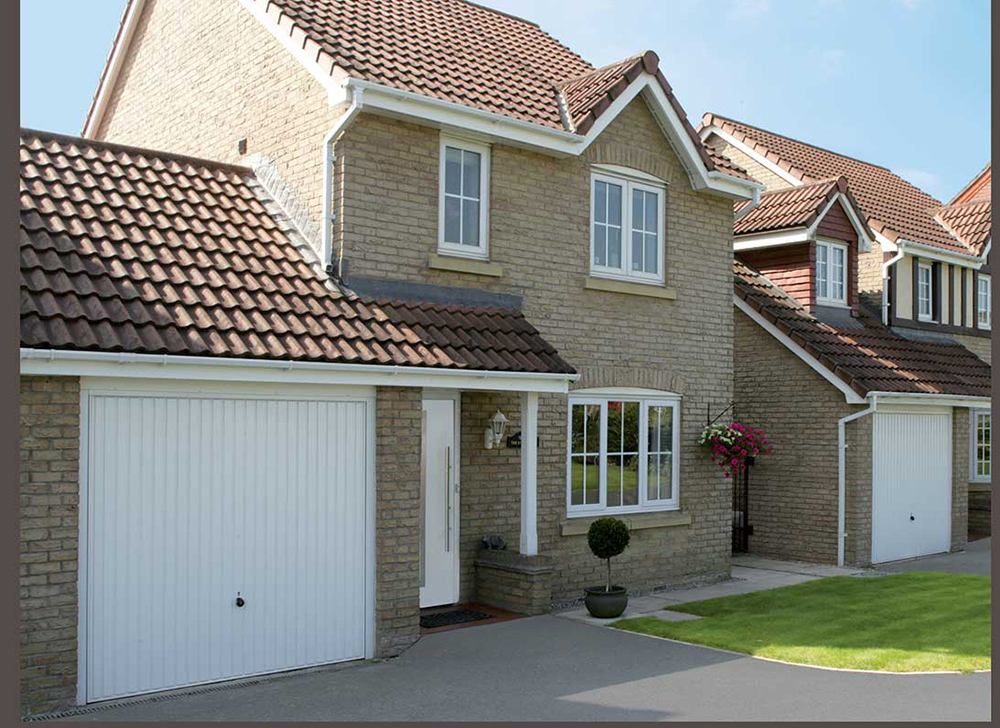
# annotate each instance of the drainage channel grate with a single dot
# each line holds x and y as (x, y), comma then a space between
(200, 690)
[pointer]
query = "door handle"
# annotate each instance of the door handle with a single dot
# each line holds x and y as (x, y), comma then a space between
(447, 498)
(239, 600)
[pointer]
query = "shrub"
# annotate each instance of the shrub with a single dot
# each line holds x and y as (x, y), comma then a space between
(607, 538)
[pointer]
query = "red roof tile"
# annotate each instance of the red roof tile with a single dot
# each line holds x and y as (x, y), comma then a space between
(971, 222)
(125, 249)
(980, 189)
(870, 358)
(894, 207)
(792, 207)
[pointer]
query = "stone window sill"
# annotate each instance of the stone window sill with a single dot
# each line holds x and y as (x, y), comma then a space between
(635, 521)
(979, 487)
(464, 265)
(610, 285)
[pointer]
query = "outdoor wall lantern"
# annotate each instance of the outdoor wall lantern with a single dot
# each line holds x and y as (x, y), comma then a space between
(493, 437)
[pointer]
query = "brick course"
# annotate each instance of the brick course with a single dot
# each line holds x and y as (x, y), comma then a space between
(49, 507)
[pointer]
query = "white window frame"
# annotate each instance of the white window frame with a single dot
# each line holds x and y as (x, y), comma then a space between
(629, 182)
(830, 246)
(984, 316)
(482, 251)
(645, 505)
(975, 415)
(921, 316)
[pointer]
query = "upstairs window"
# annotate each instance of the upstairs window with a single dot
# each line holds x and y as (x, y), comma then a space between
(983, 301)
(925, 292)
(626, 230)
(831, 273)
(980, 457)
(464, 198)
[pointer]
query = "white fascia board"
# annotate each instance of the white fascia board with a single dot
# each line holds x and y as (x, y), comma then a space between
(850, 395)
(46, 362)
(756, 156)
(887, 245)
(927, 252)
(929, 399)
(772, 240)
(115, 61)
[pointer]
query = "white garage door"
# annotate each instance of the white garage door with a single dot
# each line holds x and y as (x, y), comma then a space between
(911, 484)
(226, 535)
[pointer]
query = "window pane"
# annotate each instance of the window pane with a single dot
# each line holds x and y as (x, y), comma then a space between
(630, 480)
(576, 466)
(630, 434)
(577, 435)
(614, 204)
(652, 212)
(452, 222)
(600, 201)
(593, 434)
(638, 210)
(615, 417)
(593, 493)
(600, 245)
(471, 162)
(614, 247)
(614, 480)
(821, 271)
(660, 429)
(637, 250)
(838, 273)
(453, 171)
(651, 257)
(470, 222)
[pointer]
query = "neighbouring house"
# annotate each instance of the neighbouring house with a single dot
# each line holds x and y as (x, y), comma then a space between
(443, 280)
(878, 405)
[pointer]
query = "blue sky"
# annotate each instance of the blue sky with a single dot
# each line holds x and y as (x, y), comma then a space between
(902, 83)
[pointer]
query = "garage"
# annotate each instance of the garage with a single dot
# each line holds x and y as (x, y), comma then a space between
(225, 532)
(911, 482)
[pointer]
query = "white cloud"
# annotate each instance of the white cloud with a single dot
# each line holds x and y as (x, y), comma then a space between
(929, 182)
(744, 10)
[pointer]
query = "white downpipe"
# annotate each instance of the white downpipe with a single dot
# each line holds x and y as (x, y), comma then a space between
(842, 475)
(329, 141)
(885, 284)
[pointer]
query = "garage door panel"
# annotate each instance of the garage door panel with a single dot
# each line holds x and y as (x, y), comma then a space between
(195, 500)
(911, 485)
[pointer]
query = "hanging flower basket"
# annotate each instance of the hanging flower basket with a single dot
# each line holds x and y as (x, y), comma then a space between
(734, 446)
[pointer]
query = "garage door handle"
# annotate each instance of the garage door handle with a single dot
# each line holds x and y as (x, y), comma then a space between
(911, 517)
(240, 602)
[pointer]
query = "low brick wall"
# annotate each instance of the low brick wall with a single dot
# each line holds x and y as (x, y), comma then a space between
(980, 509)
(512, 581)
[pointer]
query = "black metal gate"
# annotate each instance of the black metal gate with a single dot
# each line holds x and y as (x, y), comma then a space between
(741, 510)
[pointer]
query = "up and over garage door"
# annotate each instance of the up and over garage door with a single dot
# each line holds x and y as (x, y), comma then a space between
(911, 483)
(226, 533)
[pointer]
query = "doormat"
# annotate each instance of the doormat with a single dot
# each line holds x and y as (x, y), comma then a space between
(452, 616)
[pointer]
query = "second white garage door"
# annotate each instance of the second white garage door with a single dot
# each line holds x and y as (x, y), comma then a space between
(911, 484)
(226, 535)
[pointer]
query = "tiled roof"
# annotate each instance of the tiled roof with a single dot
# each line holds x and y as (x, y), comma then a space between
(131, 250)
(461, 52)
(871, 358)
(971, 222)
(893, 206)
(793, 207)
(979, 189)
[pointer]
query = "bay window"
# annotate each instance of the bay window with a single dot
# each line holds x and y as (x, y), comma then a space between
(831, 273)
(622, 453)
(980, 457)
(463, 198)
(626, 229)
(983, 301)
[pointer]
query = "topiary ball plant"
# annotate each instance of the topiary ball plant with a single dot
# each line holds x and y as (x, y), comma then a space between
(607, 538)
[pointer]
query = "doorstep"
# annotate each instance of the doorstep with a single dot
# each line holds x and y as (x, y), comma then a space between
(497, 615)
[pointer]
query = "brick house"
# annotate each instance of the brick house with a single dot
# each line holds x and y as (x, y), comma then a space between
(879, 405)
(274, 359)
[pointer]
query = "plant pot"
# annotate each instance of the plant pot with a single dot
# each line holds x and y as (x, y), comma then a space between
(606, 604)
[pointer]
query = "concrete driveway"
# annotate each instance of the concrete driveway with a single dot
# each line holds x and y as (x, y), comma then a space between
(974, 560)
(549, 668)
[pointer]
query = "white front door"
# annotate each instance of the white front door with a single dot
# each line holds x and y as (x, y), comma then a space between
(226, 535)
(439, 547)
(911, 483)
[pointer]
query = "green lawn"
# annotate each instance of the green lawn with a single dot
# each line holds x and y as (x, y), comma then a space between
(903, 623)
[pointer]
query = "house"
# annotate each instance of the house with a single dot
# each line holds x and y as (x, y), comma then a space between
(860, 349)
(329, 293)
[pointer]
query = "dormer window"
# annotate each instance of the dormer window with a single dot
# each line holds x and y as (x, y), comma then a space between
(925, 292)
(626, 230)
(983, 300)
(831, 273)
